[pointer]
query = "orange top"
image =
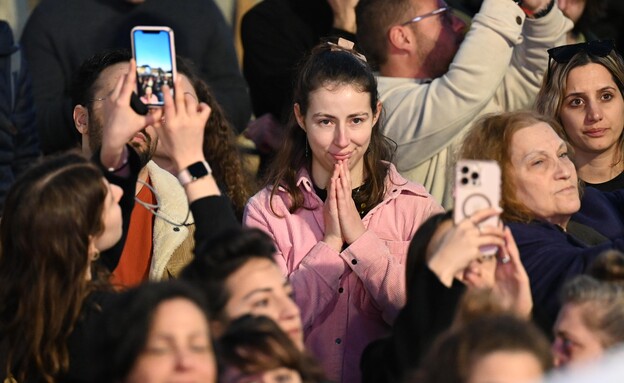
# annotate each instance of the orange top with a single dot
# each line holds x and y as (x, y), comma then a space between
(136, 257)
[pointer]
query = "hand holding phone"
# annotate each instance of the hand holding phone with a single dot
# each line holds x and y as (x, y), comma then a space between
(477, 186)
(154, 51)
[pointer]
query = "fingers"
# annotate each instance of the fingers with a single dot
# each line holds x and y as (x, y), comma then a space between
(169, 103)
(332, 189)
(118, 86)
(203, 109)
(511, 252)
(491, 240)
(153, 118)
(484, 214)
(177, 93)
(341, 193)
(129, 85)
(345, 179)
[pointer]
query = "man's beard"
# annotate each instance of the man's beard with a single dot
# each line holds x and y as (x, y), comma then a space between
(145, 150)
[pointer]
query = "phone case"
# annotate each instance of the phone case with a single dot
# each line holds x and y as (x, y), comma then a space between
(153, 48)
(477, 186)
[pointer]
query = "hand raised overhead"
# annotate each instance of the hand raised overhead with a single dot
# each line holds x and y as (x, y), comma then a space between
(121, 122)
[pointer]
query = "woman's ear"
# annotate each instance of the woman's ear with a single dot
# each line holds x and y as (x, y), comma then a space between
(299, 117)
(377, 112)
(93, 251)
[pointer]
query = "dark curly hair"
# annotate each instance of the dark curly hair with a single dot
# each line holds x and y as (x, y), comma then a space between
(220, 146)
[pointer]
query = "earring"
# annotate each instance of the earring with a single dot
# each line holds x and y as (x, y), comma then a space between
(95, 256)
(306, 147)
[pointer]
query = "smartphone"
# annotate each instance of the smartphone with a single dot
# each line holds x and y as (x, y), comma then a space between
(153, 48)
(477, 186)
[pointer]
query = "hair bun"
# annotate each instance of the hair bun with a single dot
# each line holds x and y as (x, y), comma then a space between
(608, 267)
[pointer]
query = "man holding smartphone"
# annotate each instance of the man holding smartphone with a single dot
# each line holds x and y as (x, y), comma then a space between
(434, 83)
(160, 237)
(60, 35)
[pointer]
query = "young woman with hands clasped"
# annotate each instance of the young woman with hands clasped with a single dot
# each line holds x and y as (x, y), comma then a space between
(66, 216)
(340, 214)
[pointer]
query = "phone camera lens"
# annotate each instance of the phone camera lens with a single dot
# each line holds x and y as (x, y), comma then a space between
(475, 175)
(465, 169)
(464, 181)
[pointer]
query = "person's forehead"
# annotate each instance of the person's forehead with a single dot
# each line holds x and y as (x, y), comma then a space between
(107, 79)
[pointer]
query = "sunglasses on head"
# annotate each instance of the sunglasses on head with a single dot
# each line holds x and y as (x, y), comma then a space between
(564, 53)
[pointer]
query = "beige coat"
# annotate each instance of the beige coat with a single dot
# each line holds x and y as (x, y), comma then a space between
(499, 67)
(173, 246)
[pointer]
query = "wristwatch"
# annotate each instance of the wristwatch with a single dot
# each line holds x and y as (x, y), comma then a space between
(194, 172)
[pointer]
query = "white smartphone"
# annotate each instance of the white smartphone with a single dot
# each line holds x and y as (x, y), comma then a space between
(477, 186)
(153, 48)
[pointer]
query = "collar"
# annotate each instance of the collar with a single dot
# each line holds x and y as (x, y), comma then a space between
(395, 183)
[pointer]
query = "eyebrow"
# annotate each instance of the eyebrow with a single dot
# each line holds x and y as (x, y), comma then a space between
(331, 116)
(608, 87)
(256, 291)
(563, 145)
(168, 337)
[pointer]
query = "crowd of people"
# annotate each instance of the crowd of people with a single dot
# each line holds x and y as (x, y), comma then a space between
(141, 249)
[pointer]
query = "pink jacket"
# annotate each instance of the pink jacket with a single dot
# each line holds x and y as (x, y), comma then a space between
(350, 298)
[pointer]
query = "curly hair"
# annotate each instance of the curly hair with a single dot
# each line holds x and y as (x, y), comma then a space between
(220, 146)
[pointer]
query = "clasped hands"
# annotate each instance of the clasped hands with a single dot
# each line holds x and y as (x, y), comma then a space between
(342, 219)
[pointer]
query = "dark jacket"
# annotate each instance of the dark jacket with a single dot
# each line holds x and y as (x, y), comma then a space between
(429, 311)
(551, 256)
(19, 142)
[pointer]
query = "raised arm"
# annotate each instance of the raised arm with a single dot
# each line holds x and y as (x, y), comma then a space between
(430, 116)
(118, 161)
(529, 61)
(181, 133)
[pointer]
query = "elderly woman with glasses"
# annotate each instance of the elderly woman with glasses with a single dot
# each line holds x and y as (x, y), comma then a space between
(541, 202)
(583, 90)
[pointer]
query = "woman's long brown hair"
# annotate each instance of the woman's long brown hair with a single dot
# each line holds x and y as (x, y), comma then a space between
(50, 216)
(326, 66)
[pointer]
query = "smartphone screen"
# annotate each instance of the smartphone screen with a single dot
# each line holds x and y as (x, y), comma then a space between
(154, 51)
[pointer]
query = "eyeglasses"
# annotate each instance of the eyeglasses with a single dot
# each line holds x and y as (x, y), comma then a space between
(564, 53)
(97, 99)
(430, 14)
